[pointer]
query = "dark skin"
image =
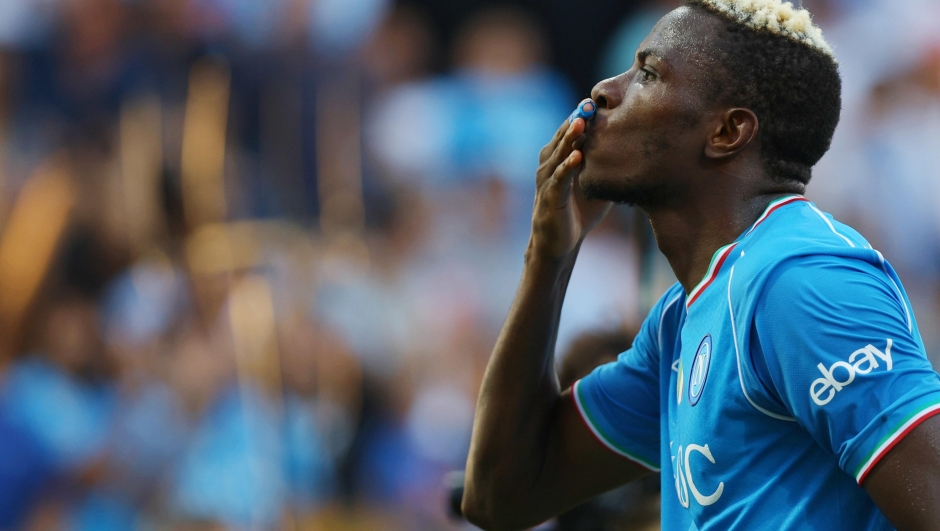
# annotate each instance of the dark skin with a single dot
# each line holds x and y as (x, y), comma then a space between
(695, 168)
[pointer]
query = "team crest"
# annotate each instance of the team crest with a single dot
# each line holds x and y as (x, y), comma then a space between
(699, 372)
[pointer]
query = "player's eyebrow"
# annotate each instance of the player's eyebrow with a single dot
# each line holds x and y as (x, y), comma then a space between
(647, 52)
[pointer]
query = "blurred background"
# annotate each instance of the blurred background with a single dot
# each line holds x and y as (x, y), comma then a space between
(254, 254)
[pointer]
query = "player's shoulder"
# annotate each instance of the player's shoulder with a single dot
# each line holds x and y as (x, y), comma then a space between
(669, 310)
(671, 299)
(802, 254)
(801, 227)
(662, 323)
(805, 241)
(826, 279)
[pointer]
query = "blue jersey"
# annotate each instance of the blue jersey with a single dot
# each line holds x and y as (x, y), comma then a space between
(769, 392)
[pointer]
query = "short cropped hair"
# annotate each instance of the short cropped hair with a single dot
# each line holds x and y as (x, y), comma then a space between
(780, 67)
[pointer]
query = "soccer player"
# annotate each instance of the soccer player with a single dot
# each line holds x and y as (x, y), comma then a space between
(782, 383)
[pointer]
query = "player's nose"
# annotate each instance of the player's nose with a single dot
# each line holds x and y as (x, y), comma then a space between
(605, 94)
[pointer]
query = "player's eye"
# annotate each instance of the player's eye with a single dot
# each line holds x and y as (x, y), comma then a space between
(648, 75)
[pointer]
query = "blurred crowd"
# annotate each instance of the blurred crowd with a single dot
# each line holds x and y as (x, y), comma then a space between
(254, 255)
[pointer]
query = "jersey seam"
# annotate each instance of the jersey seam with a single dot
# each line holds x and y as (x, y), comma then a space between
(897, 289)
(737, 355)
(831, 227)
(596, 432)
(662, 318)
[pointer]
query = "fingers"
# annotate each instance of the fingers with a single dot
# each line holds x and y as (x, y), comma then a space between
(550, 147)
(579, 142)
(562, 149)
(560, 132)
(566, 145)
(584, 110)
(564, 173)
(559, 187)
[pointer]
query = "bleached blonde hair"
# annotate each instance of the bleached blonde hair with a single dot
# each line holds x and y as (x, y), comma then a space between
(775, 16)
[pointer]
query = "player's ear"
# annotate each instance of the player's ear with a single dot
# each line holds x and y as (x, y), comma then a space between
(731, 132)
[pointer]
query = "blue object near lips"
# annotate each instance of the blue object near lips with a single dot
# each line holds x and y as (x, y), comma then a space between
(585, 110)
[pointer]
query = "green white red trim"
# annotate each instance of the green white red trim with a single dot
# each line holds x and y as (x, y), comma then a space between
(718, 259)
(774, 205)
(713, 268)
(607, 443)
(894, 438)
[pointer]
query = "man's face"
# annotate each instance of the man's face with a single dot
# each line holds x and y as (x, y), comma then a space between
(651, 124)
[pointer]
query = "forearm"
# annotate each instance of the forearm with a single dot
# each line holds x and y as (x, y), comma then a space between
(518, 433)
(519, 392)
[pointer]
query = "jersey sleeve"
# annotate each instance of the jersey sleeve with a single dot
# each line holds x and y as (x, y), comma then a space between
(619, 402)
(844, 356)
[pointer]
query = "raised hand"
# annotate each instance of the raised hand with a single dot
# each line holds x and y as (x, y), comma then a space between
(562, 216)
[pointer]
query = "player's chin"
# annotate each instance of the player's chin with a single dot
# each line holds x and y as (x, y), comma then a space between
(593, 178)
(616, 187)
(596, 186)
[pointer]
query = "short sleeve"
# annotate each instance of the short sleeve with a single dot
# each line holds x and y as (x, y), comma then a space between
(619, 402)
(844, 356)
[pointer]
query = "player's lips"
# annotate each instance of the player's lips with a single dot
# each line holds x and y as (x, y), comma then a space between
(592, 129)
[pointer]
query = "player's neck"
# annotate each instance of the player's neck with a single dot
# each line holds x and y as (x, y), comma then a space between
(689, 235)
